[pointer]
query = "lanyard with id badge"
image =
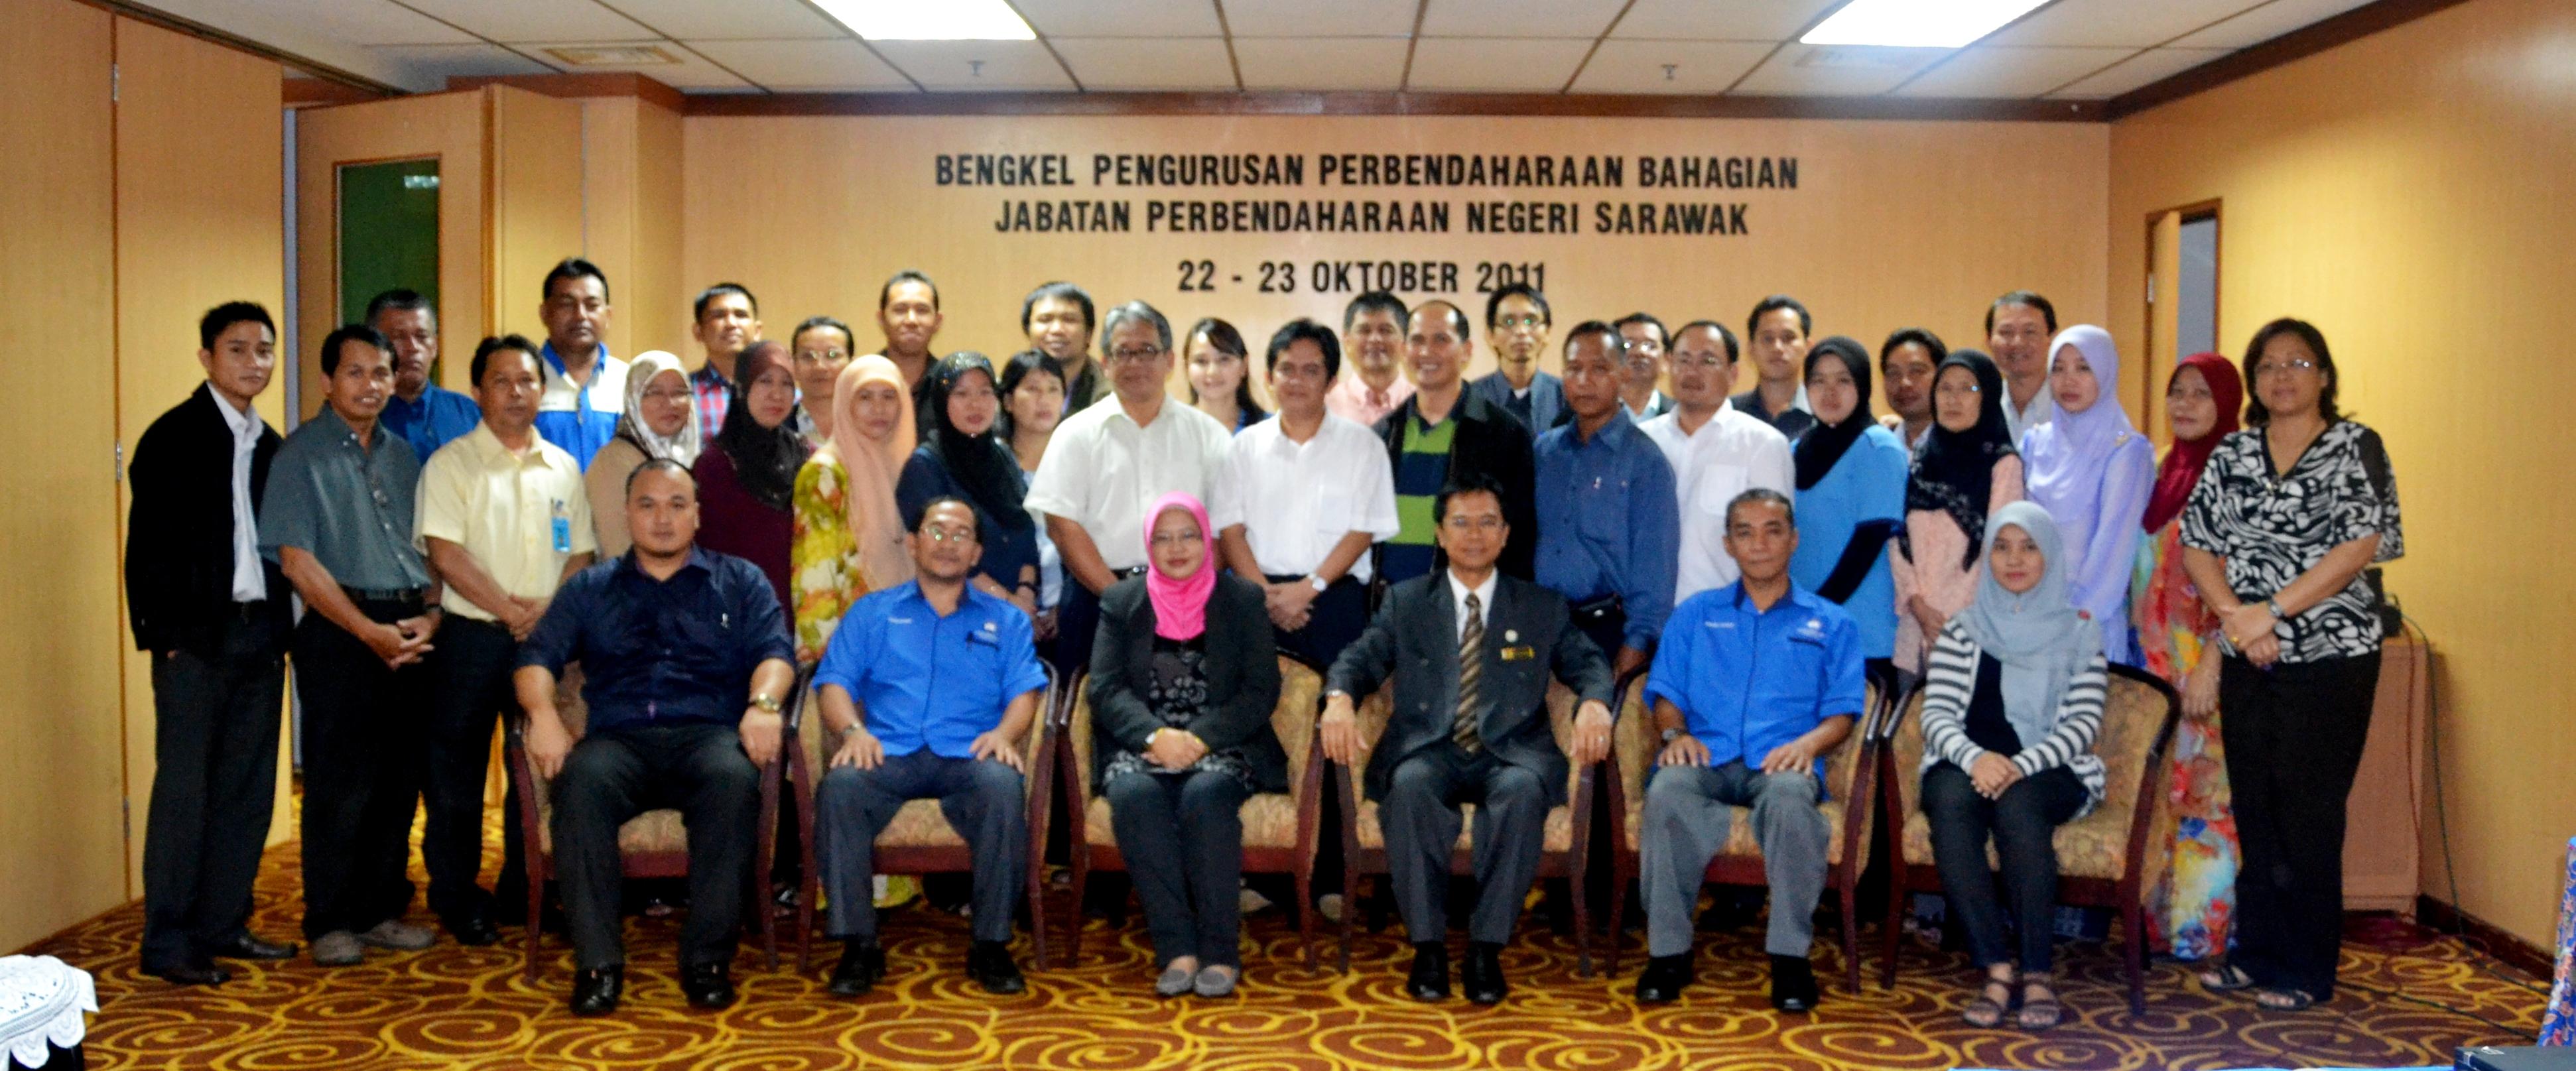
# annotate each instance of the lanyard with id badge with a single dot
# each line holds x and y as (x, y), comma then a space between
(562, 528)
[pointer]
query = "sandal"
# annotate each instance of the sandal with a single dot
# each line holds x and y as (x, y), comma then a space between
(2039, 1007)
(2226, 978)
(1993, 1000)
(2285, 1000)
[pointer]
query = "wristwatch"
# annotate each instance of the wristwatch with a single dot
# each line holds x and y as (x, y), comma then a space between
(1320, 583)
(2274, 605)
(765, 703)
(1673, 734)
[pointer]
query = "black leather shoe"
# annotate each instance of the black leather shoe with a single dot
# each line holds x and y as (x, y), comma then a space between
(707, 985)
(1430, 977)
(596, 992)
(189, 973)
(1793, 984)
(472, 930)
(1483, 973)
(245, 946)
(1662, 980)
(862, 964)
(989, 964)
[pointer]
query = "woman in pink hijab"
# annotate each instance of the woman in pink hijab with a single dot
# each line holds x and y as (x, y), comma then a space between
(1183, 679)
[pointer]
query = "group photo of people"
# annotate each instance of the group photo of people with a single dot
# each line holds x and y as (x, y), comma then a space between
(655, 572)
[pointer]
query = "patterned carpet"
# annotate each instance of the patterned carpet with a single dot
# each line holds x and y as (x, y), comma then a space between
(453, 1007)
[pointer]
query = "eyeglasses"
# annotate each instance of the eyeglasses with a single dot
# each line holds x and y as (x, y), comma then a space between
(681, 394)
(1486, 523)
(2285, 366)
(1957, 390)
(823, 355)
(1519, 323)
(1165, 540)
(1712, 360)
(944, 534)
(1135, 354)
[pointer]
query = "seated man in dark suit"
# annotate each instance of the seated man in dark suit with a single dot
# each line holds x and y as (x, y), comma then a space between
(1470, 725)
(685, 660)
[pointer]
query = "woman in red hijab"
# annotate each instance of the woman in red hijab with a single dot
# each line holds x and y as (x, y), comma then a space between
(2175, 630)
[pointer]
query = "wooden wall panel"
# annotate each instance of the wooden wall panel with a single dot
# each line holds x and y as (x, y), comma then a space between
(535, 190)
(631, 220)
(2407, 193)
(445, 125)
(62, 847)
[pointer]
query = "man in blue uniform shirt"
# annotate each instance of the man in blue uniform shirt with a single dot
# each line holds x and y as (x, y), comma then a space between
(929, 687)
(1753, 681)
(420, 412)
(1609, 528)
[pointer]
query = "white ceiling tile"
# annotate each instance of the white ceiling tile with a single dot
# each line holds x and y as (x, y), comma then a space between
(1147, 63)
(2150, 66)
(732, 20)
(438, 63)
(952, 65)
(1120, 18)
(2135, 23)
(1494, 65)
(2267, 22)
(1836, 70)
(364, 22)
(1997, 71)
(1319, 18)
(841, 65)
(1699, 67)
(692, 71)
(1358, 64)
(1719, 20)
(1518, 18)
(512, 21)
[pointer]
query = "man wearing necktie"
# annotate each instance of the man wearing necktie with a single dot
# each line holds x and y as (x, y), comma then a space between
(1469, 725)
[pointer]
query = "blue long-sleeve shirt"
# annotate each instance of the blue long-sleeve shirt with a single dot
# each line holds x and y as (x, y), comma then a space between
(1609, 523)
(440, 416)
(1747, 680)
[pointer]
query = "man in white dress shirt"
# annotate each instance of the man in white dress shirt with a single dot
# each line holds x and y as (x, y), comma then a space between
(2018, 327)
(1716, 451)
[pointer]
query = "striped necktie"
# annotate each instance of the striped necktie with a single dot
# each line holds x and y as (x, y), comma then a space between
(1471, 670)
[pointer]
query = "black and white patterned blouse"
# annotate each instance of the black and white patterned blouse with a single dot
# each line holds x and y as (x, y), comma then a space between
(1179, 696)
(2271, 530)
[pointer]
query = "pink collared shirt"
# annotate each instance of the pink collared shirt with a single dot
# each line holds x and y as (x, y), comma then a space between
(1351, 398)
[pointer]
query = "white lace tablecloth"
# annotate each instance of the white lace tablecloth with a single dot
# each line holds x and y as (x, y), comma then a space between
(42, 1000)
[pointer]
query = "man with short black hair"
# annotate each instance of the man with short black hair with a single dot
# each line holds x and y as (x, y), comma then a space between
(1516, 326)
(1641, 369)
(420, 412)
(1777, 333)
(1716, 452)
(213, 615)
(906, 730)
(725, 319)
(1303, 497)
(686, 725)
(1753, 684)
(1057, 317)
(337, 520)
(585, 387)
(1444, 434)
(1907, 363)
(2019, 326)
(1373, 332)
(1608, 526)
(908, 313)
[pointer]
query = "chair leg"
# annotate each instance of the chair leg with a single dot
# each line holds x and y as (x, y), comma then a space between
(1895, 924)
(1851, 932)
(1037, 912)
(1350, 907)
(1081, 859)
(1618, 912)
(1582, 926)
(1306, 913)
(2136, 923)
(536, 915)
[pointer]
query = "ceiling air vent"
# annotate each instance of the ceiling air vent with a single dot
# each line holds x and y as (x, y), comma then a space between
(612, 55)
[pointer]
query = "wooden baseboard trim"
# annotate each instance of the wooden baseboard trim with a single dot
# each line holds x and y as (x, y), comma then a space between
(2517, 953)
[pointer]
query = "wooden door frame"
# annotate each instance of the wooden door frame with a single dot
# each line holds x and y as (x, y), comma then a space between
(2152, 400)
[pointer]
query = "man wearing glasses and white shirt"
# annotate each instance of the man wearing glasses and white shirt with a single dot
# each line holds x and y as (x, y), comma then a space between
(1717, 452)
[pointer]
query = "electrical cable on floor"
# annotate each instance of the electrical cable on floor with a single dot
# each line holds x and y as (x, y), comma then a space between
(2442, 810)
(2510, 1030)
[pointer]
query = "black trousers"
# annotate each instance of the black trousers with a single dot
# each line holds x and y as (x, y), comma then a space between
(618, 772)
(470, 693)
(214, 783)
(1077, 624)
(1605, 622)
(1182, 838)
(365, 728)
(1333, 621)
(2294, 735)
(2023, 823)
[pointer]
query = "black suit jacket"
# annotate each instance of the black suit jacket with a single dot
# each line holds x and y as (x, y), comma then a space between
(1493, 442)
(1242, 670)
(1414, 638)
(179, 534)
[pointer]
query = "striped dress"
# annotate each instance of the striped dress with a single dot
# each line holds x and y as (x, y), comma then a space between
(1950, 683)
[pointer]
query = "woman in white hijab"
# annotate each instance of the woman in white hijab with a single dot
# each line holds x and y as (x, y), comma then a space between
(661, 421)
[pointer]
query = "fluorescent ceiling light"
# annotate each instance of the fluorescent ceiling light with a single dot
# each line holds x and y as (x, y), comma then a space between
(1916, 23)
(930, 20)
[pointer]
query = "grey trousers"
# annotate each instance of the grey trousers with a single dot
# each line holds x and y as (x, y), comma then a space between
(985, 802)
(1182, 837)
(1421, 819)
(1688, 814)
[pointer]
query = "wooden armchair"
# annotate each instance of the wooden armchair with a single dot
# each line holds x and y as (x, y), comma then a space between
(919, 840)
(1280, 829)
(1567, 843)
(1850, 787)
(2105, 859)
(654, 844)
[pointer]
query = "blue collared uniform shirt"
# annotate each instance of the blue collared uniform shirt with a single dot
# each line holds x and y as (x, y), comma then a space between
(1609, 523)
(662, 652)
(1748, 680)
(584, 428)
(926, 681)
(440, 416)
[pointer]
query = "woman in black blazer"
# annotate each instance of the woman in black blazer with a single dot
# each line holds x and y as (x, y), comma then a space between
(1183, 679)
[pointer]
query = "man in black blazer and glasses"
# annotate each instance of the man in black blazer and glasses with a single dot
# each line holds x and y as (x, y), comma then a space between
(213, 615)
